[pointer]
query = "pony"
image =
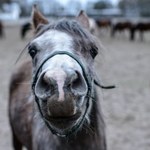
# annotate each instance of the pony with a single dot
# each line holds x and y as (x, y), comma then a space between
(53, 103)
(140, 27)
(25, 28)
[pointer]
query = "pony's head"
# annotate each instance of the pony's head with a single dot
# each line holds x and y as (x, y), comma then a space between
(63, 54)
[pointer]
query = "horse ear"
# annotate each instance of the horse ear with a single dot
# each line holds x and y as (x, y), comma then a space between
(83, 19)
(37, 17)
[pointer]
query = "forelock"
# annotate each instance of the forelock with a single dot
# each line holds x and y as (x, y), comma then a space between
(70, 27)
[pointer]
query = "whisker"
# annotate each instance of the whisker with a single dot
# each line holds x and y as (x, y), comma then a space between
(21, 53)
(87, 127)
(23, 83)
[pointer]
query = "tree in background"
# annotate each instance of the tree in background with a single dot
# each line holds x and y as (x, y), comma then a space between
(102, 5)
(4, 1)
(122, 5)
(143, 6)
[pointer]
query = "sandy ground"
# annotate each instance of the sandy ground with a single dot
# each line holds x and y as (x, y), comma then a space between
(126, 109)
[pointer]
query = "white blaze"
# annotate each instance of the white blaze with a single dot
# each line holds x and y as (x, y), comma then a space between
(55, 66)
(60, 41)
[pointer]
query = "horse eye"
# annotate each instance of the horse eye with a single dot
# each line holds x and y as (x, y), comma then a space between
(32, 52)
(94, 52)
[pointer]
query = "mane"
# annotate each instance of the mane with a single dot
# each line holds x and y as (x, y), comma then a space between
(69, 26)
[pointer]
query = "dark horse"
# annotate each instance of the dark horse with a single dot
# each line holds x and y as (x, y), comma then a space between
(1, 29)
(141, 27)
(25, 28)
(62, 110)
(120, 26)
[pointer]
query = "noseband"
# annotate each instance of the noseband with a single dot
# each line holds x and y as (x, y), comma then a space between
(90, 94)
(86, 76)
(89, 82)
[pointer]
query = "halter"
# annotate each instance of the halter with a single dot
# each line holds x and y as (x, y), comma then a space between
(90, 94)
(89, 82)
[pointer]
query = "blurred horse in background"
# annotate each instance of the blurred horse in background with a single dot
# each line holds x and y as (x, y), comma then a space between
(93, 27)
(25, 28)
(140, 27)
(1, 29)
(120, 26)
(103, 23)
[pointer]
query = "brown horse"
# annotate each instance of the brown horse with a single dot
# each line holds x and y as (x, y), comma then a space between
(120, 27)
(103, 23)
(62, 110)
(140, 27)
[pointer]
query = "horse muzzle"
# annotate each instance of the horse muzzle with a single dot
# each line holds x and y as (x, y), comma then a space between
(62, 92)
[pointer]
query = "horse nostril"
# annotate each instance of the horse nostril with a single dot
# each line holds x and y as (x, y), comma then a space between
(78, 83)
(48, 80)
(45, 86)
(75, 82)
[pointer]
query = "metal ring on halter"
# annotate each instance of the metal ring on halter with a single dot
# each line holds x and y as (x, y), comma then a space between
(89, 82)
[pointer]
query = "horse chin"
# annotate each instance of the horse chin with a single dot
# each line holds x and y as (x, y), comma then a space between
(63, 126)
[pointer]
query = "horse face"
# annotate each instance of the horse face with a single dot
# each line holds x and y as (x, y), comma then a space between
(62, 56)
(61, 87)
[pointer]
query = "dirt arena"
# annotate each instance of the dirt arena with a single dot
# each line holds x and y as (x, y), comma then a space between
(126, 108)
